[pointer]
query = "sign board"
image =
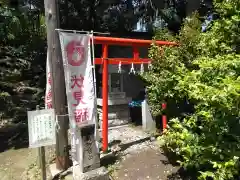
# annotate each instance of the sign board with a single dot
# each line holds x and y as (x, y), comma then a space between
(90, 151)
(41, 128)
(84, 150)
(78, 70)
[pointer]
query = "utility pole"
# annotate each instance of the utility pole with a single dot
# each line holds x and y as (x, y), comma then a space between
(58, 83)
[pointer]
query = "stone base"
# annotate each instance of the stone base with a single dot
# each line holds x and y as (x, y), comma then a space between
(118, 111)
(148, 123)
(115, 123)
(54, 171)
(96, 174)
(117, 115)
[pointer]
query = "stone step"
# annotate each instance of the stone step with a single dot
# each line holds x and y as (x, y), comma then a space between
(117, 115)
(115, 108)
(118, 122)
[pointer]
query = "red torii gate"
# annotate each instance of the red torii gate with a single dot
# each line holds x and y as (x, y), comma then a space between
(104, 60)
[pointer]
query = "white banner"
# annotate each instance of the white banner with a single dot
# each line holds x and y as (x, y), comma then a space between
(76, 53)
(48, 93)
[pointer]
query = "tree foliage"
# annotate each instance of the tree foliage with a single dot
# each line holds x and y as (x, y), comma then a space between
(23, 39)
(200, 79)
(123, 15)
(22, 44)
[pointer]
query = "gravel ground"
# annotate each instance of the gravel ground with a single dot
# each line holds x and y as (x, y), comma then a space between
(129, 138)
(135, 156)
(139, 157)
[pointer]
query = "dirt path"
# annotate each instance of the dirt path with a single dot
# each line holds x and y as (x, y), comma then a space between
(15, 157)
(14, 162)
(148, 164)
(139, 157)
(17, 161)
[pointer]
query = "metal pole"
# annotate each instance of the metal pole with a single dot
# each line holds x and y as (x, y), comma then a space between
(164, 116)
(105, 98)
(93, 64)
(77, 31)
(95, 87)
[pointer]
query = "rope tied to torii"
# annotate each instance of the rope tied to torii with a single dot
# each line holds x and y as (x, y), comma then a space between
(120, 67)
(149, 65)
(132, 70)
(142, 69)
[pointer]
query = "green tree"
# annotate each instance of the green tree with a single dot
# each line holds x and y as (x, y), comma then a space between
(22, 42)
(23, 39)
(202, 74)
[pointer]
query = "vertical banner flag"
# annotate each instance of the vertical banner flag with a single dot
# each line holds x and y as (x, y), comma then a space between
(48, 93)
(76, 53)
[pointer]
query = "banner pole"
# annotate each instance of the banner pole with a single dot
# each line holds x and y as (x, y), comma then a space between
(77, 31)
(95, 88)
(93, 64)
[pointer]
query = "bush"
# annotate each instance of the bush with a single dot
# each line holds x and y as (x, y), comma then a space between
(202, 74)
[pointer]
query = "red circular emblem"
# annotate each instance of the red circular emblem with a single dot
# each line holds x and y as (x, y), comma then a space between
(75, 53)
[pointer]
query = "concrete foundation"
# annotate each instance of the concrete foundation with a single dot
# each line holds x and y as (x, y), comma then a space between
(54, 171)
(96, 174)
(148, 123)
(118, 112)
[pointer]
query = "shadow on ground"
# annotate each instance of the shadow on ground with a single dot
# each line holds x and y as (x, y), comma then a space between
(127, 145)
(181, 174)
(111, 158)
(171, 159)
(13, 136)
(150, 163)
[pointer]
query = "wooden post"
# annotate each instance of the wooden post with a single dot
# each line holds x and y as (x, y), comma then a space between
(58, 83)
(42, 162)
(41, 158)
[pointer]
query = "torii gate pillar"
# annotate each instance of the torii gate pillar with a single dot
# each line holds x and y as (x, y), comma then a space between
(105, 97)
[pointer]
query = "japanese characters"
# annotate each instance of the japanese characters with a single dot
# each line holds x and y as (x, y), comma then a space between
(80, 114)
